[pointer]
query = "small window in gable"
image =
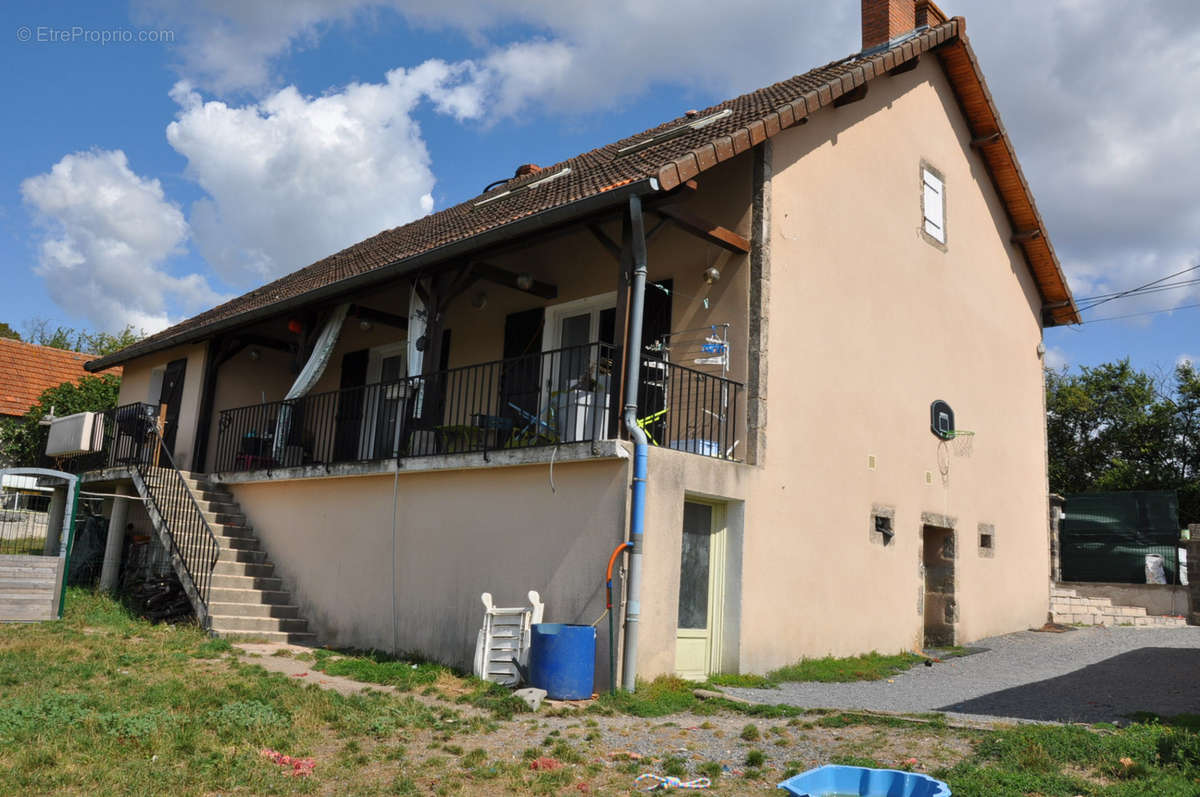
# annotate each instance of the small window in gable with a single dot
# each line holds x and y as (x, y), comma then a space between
(933, 204)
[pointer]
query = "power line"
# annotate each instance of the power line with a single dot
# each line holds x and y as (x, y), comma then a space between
(1144, 291)
(1137, 315)
(1132, 291)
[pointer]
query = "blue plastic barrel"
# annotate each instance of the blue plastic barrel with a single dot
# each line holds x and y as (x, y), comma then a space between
(562, 660)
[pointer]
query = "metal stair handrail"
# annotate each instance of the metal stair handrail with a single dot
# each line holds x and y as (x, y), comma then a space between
(196, 544)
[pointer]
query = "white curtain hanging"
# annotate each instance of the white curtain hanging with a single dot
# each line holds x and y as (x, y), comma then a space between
(310, 374)
(417, 316)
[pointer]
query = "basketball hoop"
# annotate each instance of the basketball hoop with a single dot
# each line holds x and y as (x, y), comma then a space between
(961, 442)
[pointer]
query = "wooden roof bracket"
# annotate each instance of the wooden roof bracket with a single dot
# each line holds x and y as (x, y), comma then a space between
(984, 140)
(701, 228)
(510, 279)
(379, 316)
(1020, 236)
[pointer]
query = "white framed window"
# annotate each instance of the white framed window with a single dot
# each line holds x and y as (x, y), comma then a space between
(933, 204)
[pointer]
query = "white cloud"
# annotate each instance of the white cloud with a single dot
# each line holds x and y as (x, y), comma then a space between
(1101, 111)
(106, 234)
(1102, 117)
(1055, 358)
(292, 179)
(578, 55)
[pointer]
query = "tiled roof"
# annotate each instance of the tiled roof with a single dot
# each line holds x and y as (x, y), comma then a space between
(754, 117)
(27, 370)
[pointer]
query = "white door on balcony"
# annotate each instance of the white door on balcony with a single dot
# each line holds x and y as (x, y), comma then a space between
(574, 383)
(384, 402)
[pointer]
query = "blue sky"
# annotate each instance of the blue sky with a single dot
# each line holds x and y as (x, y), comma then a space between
(144, 180)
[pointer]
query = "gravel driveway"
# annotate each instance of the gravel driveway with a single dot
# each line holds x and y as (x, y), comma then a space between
(1086, 675)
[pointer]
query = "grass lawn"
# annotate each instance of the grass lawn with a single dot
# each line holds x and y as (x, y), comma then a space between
(868, 667)
(102, 703)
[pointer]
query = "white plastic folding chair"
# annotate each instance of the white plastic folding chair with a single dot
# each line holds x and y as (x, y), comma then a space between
(502, 646)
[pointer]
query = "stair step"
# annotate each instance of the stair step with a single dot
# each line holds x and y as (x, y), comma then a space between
(256, 557)
(304, 638)
(223, 622)
(230, 530)
(229, 567)
(284, 611)
(220, 506)
(238, 543)
(265, 585)
(251, 592)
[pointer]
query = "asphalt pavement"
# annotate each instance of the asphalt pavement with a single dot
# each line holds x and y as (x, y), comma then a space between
(1084, 675)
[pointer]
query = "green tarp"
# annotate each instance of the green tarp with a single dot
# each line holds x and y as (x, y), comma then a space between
(1106, 536)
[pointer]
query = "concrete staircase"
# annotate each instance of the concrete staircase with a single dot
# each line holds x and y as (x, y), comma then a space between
(246, 598)
(1069, 608)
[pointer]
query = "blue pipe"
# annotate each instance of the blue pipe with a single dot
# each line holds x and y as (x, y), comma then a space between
(637, 506)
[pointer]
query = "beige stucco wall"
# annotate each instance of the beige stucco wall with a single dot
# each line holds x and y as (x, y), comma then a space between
(869, 323)
(457, 534)
(135, 386)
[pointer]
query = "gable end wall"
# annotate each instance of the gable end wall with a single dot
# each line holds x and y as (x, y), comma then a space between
(869, 324)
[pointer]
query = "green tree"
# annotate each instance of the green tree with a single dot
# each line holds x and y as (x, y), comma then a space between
(8, 332)
(1113, 427)
(23, 440)
(39, 331)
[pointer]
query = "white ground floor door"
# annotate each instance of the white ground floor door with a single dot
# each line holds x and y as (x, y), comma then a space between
(701, 591)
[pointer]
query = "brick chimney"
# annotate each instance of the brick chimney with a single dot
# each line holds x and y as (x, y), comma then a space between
(929, 14)
(526, 169)
(884, 20)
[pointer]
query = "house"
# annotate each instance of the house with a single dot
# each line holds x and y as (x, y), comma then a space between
(27, 371)
(815, 287)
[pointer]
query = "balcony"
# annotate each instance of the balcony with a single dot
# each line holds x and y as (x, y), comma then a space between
(544, 399)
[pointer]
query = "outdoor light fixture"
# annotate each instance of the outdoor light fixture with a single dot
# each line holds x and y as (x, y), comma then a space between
(711, 275)
(524, 280)
(479, 300)
(364, 325)
(253, 354)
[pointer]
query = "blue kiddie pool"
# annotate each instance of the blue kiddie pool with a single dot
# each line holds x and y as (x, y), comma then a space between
(835, 781)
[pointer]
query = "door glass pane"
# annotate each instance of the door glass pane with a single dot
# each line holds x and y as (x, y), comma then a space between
(575, 332)
(576, 329)
(608, 325)
(387, 426)
(391, 368)
(694, 565)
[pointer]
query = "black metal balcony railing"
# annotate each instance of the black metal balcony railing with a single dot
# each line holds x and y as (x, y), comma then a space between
(540, 399)
(125, 438)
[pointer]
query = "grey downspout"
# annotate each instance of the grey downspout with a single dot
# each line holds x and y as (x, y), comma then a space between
(637, 506)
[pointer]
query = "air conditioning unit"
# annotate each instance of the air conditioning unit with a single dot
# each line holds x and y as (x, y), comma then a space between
(80, 433)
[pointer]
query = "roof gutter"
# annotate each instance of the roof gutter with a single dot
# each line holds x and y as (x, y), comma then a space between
(613, 198)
